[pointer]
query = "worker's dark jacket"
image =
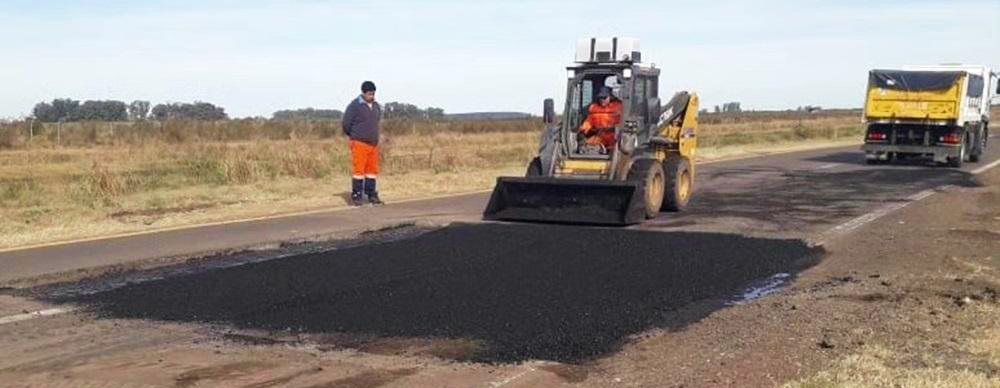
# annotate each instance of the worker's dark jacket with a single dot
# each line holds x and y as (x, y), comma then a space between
(361, 122)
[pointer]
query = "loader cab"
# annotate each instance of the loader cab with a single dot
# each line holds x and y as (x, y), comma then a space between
(634, 85)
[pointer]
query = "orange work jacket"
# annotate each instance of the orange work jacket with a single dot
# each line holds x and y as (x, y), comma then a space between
(602, 117)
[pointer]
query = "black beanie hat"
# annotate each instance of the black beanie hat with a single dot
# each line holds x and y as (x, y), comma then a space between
(367, 86)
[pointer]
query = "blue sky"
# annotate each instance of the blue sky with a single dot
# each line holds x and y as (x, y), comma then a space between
(255, 57)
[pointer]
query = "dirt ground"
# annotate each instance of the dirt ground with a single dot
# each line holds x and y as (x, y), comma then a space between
(909, 299)
(921, 283)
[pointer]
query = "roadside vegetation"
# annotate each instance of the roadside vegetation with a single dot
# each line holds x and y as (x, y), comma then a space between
(966, 354)
(72, 180)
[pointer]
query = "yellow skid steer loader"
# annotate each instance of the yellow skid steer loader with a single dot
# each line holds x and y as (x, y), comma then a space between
(650, 167)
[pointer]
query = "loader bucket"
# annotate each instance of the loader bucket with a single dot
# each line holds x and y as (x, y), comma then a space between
(566, 201)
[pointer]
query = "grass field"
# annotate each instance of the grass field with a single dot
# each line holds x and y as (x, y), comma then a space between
(94, 179)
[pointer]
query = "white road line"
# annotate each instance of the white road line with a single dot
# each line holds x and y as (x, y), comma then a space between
(826, 166)
(986, 167)
(498, 384)
(35, 314)
(865, 219)
(858, 222)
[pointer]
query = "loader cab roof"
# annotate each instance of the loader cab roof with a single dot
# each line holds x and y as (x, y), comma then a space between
(627, 70)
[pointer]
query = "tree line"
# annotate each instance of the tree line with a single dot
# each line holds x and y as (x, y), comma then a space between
(400, 110)
(70, 110)
(392, 110)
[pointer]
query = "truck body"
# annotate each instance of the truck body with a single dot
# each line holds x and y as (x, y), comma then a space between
(937, 111)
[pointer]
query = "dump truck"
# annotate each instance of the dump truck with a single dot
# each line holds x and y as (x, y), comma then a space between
(941, 112)
(649, 168)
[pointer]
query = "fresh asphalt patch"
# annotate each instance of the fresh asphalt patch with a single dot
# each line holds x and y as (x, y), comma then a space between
(521, 292)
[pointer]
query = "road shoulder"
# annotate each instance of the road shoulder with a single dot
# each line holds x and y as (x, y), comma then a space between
(912, 296)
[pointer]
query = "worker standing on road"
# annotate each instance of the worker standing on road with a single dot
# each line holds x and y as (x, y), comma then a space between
(604, 115)
(361, 125)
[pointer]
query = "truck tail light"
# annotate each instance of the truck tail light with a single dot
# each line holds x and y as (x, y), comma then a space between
(877, 136)
(951, 138)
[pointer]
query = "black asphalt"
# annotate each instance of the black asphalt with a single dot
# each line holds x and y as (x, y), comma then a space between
(522, 291)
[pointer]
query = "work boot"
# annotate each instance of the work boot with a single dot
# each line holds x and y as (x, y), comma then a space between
(372, 192)
(357, 186)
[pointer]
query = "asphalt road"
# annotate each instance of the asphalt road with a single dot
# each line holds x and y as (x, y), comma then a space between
(796, 195)
(520, 292)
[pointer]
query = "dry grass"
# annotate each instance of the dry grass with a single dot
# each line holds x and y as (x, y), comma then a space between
(970, 365)
(51, 194)
(875, 367)
(971, 362)
(121, 178)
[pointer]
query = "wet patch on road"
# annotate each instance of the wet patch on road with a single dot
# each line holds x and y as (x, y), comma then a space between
(518, 292)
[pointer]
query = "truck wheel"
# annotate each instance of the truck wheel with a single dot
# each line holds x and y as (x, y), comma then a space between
(680, 183)
(648, 173)
(962, 150)
(534, 168)
(980, 147)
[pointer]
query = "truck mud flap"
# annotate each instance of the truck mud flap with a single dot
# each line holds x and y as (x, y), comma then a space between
(567, 201)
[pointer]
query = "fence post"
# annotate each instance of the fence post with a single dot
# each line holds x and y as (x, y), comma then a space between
(430, 158)
(31, 129)
(59, 133)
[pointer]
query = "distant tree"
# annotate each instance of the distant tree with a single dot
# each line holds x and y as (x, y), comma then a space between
(717, 110)
(112, 110)
(809, 109)
(731, 107)
(401, 110)
(307, 114)
(45, 112)
(206, 111)
(184, 111)
(92, 110)
(435, 113)
(65, 109)
(160, 112)
(138, 110)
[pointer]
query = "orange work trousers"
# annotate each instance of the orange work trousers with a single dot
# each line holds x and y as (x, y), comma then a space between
(605, 137)
(364, 160)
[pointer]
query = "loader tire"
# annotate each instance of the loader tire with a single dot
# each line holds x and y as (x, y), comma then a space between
(679, 184)
(534, 168)
(648, 174)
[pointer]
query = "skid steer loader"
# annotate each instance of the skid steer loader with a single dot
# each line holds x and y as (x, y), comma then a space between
(650, 169)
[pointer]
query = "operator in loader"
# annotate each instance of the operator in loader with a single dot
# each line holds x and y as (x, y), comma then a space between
(605, 113)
